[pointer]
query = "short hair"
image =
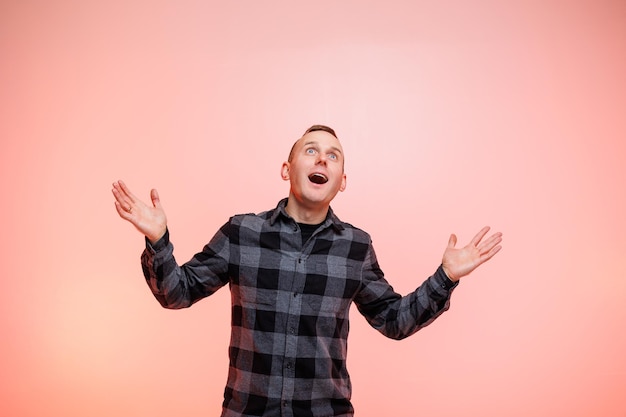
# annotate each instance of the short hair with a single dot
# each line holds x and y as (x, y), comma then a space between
(323, 128)
(314, 128)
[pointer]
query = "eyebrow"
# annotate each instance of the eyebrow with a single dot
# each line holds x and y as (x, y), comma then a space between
(312, 142)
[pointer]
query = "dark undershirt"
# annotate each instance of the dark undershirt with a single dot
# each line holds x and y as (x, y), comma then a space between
(307, 230)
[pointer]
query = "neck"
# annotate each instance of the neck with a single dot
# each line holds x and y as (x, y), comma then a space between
(304, 214)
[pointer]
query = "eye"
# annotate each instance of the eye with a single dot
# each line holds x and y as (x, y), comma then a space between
(310, 151)
(332, 156)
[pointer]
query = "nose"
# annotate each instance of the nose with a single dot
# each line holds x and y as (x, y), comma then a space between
(321, 158)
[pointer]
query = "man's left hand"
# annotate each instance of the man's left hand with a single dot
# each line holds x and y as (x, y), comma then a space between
(460, 262)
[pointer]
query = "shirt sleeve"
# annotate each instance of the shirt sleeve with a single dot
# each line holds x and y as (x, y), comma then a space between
(177, 286)
(396, 316)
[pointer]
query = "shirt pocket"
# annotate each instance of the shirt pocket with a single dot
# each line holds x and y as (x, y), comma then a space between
(329, 288)
(250, 297)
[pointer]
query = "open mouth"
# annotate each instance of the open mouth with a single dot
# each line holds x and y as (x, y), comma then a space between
(318, 178)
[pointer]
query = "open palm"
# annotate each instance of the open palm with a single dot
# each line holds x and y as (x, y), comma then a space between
(458, 262)
(148, 219)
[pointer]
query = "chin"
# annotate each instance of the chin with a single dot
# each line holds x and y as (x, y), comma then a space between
(325, 199)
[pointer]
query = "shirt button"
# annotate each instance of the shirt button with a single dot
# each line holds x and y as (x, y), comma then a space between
(292, 330)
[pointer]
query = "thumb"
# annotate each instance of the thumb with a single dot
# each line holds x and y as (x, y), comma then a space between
(452, 241)
(154, 196)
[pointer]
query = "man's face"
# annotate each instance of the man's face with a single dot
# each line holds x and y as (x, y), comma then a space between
(315, 170)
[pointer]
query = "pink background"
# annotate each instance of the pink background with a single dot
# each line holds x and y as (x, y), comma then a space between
(453, 115)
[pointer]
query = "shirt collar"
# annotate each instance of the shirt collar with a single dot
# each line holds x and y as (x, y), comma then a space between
(331, 218)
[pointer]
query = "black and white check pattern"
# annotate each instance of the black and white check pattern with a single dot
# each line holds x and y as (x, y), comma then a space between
(290, 304)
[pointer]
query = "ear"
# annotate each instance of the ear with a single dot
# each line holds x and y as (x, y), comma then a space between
(284, 171)
(343, 183)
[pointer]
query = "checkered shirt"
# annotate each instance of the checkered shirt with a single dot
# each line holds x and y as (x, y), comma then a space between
(290, 304)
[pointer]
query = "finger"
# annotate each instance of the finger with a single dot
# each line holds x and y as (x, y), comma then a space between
(493, 240)
(118, 193)
(124, 214)
(154, 196)
(452, 241)
(121, 200)
(485, 257)
(130, 196)
(117, 187)
(480, 235)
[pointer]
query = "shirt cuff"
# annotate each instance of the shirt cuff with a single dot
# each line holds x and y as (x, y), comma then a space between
(159, 244)
(445, 282)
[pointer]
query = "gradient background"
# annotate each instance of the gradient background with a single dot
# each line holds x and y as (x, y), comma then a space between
(452, 116)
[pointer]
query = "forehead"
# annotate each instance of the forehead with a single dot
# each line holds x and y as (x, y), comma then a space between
(319, 138)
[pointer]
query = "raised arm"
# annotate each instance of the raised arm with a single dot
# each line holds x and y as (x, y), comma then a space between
(150, 220)
(398, 317)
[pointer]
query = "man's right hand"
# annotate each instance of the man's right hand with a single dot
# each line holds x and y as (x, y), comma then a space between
(149, 220)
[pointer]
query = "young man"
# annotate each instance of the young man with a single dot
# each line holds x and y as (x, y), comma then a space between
(293, 273)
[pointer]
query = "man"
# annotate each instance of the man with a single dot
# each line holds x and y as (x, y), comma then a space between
(293, 273)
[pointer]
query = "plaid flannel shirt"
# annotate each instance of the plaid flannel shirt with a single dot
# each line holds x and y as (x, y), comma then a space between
(290, 304)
